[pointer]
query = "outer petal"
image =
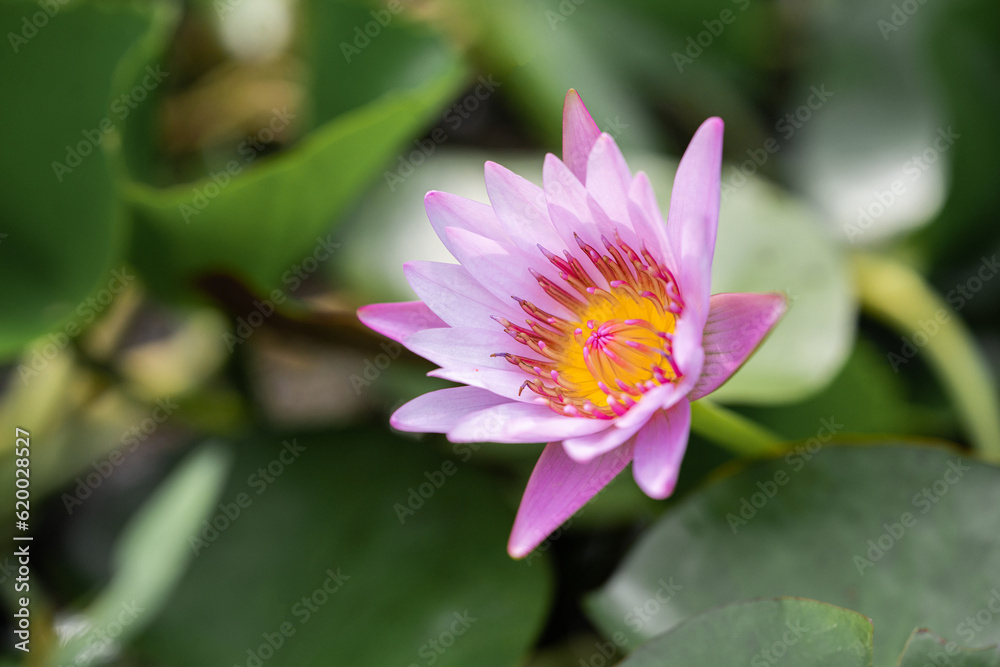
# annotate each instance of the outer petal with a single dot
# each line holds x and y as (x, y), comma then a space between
(455, 296)
(399, 320)
(609, 179)
(503, 271)
(521, 422)
(579, 134)
(446, 210)
(464, 356)
(438, 411)
(558, 487)
(659, 448)
(693, 218)
(520, 205)
(737, 324)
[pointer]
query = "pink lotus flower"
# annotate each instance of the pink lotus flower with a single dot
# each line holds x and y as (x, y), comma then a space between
(621, 332)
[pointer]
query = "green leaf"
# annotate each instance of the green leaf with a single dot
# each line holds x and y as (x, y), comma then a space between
(257, 217)
(763, 632)
(151, 555)
(335, 510)
(925, 648)
(60, 225)
(886, 530)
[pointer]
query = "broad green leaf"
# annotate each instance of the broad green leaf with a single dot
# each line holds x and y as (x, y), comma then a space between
(257, 217)
(150, 557)
(60, 225)
(925, 648)
(790, 631)
(886, 530)
(315, 548)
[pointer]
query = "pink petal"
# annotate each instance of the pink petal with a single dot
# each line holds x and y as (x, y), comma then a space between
(438, 411)
(399, 320)
(504, 272)
(659, 448)
(648, 222)
(736, 326)
(579, 134)
(456, 297)
(462, 347)
(609, 179)
(558, 487)
(521, 422)
(508, 383)
(567, 205)
(584, 449)
(693, 218)
(446, 210)
(520, 205)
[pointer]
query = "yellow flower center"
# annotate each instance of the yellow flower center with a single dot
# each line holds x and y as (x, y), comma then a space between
(616, 347)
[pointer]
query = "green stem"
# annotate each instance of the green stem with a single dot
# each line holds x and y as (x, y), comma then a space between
(893, 293)
(732, 430)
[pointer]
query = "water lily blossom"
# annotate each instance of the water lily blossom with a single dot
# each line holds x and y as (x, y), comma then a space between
(575, 316)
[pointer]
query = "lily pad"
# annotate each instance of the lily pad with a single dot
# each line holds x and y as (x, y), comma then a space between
(763, 632)
(362, 549)
(257, 217)
(886, 530)
(60, 223)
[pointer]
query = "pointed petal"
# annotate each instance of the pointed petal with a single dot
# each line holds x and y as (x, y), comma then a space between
(558, 487)
(579, 134)
(520, 205)
(504, 272)
(737, 324)
(659, 449)
(648, 221)
(584, 449)
(456, 297)
(462, 346)
(609, 179)
(439, 411)
(693, 218)
(446, 210)
(521, 422)
(399, 320)
(569, 212)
